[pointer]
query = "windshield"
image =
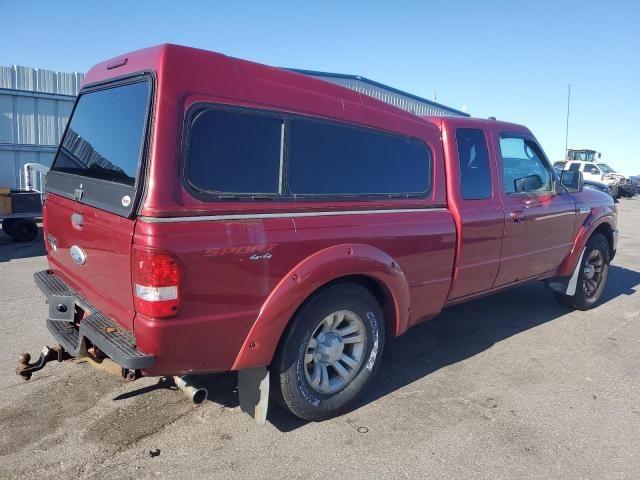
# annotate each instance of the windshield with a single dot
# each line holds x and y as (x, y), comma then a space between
(104, 138)
(606, 168)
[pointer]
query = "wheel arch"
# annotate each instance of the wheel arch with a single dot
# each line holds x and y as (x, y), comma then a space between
(355, 263)
(600, 221)
(378, 289)
(606, 230)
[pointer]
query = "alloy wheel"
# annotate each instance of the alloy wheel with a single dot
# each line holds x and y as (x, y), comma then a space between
(335, 352)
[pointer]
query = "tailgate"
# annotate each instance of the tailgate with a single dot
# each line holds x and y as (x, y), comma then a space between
(104, 279)
(93, 189)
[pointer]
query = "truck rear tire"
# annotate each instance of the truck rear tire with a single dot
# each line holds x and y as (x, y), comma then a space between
(330, 353)
(6, 225)
(592, 279)
(22, 229)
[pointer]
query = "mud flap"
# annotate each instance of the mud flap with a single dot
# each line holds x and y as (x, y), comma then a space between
(253, 391)
(573, 281)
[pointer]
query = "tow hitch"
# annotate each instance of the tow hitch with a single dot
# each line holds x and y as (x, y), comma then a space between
(26, 369)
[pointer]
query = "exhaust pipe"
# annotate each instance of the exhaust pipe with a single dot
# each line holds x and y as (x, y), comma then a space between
(196, 394)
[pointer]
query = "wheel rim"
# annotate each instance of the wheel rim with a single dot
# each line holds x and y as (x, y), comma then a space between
(592, 273)
(335, 352)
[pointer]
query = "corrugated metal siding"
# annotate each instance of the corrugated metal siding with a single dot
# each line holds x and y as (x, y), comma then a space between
(409, 104)
(30, 79)
(35, 105)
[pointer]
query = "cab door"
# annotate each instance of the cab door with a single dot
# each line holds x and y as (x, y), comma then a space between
(591, 172)
(477, 209)
(539, 213)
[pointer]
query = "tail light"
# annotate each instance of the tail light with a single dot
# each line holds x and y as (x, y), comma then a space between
(156, 283)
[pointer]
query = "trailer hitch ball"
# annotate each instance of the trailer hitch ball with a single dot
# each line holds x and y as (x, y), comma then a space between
(26, 369)
(24, 359)
(23, 364)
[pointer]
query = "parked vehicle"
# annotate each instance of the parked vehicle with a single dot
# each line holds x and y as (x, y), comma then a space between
(634, 181)
(205, 213)
(585, 161)
(20, 209)
(602, 187)
(629, 188)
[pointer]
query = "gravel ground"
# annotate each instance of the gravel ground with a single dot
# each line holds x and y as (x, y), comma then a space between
(510, 386)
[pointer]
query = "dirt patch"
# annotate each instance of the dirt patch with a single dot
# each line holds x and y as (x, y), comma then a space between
(146, 415)
(47, 407)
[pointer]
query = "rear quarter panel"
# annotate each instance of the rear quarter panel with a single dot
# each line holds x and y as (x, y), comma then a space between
(225, 319)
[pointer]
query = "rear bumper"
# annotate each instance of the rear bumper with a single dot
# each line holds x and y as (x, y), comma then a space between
(95, 328)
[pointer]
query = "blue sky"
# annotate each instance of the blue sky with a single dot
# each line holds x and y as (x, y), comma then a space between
(505, 59)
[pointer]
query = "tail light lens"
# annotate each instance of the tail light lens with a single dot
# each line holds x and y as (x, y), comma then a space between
(156, 283)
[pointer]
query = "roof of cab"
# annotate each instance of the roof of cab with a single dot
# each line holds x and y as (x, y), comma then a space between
(472, 122)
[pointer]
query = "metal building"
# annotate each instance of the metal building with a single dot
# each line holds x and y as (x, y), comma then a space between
(35, 105)
(397, 98)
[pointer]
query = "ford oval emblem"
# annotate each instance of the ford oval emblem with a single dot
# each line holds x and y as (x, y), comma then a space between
(78, 255)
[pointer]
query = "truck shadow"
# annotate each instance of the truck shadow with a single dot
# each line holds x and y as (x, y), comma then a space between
(465, 330)
(458, 333)
(11, 250)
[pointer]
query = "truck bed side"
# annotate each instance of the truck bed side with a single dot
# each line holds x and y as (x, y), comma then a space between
(231, 267)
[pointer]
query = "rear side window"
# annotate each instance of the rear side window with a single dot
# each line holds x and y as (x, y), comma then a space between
(574, 167)
(235, 152)
(473, 158)
(333, 159)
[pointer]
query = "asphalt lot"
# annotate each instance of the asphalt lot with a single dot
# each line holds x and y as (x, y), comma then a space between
(510, 386)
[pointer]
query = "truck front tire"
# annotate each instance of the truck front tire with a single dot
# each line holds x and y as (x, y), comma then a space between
(330, 353)
(592, 277)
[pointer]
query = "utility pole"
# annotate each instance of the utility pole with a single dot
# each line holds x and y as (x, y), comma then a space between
(566, 137)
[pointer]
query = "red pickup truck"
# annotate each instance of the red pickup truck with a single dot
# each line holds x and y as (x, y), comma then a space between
(205, 213)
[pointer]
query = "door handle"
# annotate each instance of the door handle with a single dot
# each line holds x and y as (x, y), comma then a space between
(518, 216)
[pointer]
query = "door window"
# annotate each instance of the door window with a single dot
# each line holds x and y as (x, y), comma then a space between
(524, 168)
(590, 167)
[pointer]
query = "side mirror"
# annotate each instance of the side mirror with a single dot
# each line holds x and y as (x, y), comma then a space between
(572, 180)
(529, 183)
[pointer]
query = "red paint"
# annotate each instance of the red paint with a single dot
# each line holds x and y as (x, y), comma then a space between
(602, 213)
(480, 223)
(105, 279)
(241, 281)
